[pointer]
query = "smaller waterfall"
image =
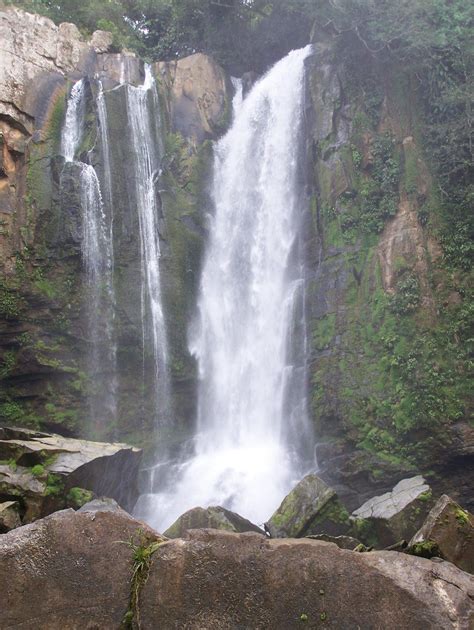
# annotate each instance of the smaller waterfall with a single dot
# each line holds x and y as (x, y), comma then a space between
(73, 125)
(142, 102)
(97, 253)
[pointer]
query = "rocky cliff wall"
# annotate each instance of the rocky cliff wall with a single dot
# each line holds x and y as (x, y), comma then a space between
(45, 339)
(388, 371)
(388, 377)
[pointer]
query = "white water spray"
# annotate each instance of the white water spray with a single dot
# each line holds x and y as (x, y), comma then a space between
(251, 394)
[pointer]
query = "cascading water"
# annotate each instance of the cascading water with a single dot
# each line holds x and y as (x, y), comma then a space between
(147, 152)
(74, 122)
(250, 335)
(97, 253)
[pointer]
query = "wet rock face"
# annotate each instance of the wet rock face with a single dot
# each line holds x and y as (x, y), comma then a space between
(56, 574)
(449, 532)
(199, 98)
(213, 517)
(312, 507)
(395, 515)
(46, 472)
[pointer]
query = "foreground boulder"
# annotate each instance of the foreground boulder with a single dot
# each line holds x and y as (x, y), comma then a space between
(448, 532)
(56, 574)
(45, 473)
(213, 517)
(386, 519)
(312, 507)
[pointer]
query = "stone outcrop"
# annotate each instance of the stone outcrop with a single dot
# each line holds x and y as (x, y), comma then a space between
(312, 507)
(56, 574)
(46, 472)
(448, 532)
(215, 517)
(396, 515)
(199, 103)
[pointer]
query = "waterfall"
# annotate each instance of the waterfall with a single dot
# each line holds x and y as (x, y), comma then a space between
(97, 254)
(74, 122)
(250, 336)
(142, 101)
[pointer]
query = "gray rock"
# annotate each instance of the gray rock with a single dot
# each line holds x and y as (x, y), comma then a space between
(212, 517)
(46, 467)
(103, 504)
(101, 41)
(395, 515)
(9, 516)
(391, 503)
(18, 483)
(449, 532)
(198, 95)
(312, 507)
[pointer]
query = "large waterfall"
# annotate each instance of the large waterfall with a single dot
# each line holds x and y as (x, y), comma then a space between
(249, 337)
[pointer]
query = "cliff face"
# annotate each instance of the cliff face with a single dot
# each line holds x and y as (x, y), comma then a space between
(387, 364)
(388, 371)
(45, 340)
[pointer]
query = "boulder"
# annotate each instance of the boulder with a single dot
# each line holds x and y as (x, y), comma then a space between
(312, 507)
(47, 472)
(386, 519)
(19, 484)
(9, 516)
(56, 574)
(214, 517)
(449, 532)
(222, 580)
(69, 570)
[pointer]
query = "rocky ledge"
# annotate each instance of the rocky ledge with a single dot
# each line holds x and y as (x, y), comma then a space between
(41, 473)
(55, 573)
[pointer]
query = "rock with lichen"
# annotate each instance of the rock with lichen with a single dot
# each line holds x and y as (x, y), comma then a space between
(312, 507)
(448, 532)
(215, 517)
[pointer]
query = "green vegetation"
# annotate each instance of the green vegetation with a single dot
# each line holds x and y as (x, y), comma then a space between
(54, 485)
(77, 497)
(142, 552)
(462, 516)
(38, 470)
(424, 549)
